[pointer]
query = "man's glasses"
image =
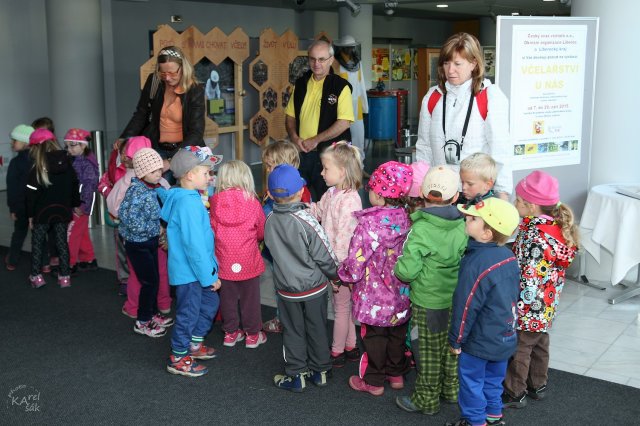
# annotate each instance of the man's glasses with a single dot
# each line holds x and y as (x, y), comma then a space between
(318, 60)
(171, 74)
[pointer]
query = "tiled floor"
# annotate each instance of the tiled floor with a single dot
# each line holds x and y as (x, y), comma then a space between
(590, 336)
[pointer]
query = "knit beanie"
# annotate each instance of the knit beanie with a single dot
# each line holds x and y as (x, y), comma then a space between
(539, 188)
(21, 133)
(420, 169)
(145, 161)
(41, 135)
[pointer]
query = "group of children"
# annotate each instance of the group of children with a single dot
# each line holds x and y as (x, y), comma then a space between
(414, 258)
(51, 191)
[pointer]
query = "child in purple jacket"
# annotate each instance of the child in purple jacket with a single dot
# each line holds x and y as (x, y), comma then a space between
(81, 254)
(380, 300)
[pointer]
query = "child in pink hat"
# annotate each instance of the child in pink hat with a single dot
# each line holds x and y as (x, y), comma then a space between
(380, 300)
(415, 200)
(545, 246)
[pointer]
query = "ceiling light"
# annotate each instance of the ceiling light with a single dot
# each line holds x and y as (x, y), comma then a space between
(515, 14)
(389, 7)
(353, 6)
(442, 5)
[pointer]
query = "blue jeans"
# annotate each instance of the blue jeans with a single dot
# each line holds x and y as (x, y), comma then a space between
(196, 307)
(144, 259)
(480, 388)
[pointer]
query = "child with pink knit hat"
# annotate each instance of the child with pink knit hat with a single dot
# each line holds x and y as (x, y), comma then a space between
(545, 246)
(380, 300)
(415, 201)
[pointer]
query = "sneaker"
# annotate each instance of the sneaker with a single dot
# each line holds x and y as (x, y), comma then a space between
(127, 314)
(405, 403)
(495, 422)
(88, 266)
(339, 360)
(185, 366)
(255, 340)
(149, 329)
(319, 378)
(230, 339)
(46, 269)
(122, 289)
(202, 352)
(36, 281)
(360, 385)
(64, 281)
(461, 422)
(162, 320)
(272, 326)
(9, 266)
(537, 394)
(396, 382)
(295, 383)
(353, 355)
(509, 401)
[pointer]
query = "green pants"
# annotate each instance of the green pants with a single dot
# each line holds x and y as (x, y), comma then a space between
(437, 367)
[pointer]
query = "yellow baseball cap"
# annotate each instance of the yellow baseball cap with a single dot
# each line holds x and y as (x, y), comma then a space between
(498, 214)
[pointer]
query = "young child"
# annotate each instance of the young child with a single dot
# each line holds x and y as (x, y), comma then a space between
(478, 173)
(52, 194)
(279, 152)
(342, 172)
(238, 225)
(545, 246)
(380, 300)
(193, 268)
(430, 261)
(114, 199)
(17, 174)
(81, 254)
(303, 264)
(139, 215)
(483, 322)
(415, 201)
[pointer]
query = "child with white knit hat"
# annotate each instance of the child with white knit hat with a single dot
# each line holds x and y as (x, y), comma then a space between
(139, 215)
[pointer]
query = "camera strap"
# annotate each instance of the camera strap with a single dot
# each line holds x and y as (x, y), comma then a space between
(466, 120)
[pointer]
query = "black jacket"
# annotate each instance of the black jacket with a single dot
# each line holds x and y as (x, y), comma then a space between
(17, 175)
(54, 203)
(146, 118)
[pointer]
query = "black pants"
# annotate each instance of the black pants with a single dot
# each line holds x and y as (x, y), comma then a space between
(384, 352)
(20, 231)
(38, 246)
(144, 259)
(310, 169)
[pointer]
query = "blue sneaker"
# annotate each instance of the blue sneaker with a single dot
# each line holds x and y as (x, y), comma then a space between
(291, 383)
(319, 378)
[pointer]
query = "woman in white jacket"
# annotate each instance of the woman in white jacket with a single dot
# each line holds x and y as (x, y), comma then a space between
(452, 126)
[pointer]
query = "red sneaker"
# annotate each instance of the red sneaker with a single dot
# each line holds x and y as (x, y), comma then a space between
(360, 385)
(203, 352)
(185, 366)
(396, 382)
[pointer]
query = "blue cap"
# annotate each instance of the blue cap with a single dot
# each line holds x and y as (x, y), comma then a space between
(285, 181)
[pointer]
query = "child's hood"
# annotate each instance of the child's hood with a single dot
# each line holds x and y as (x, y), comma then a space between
(387, 225)
(229, 207)
(58, 162)
(170, 198)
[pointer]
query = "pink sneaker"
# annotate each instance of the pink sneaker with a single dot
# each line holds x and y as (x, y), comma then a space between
(64, 282)
(230, 339)
(202, 352)
(396, 382)
(255, 340)
(360, 385)
(37, 281)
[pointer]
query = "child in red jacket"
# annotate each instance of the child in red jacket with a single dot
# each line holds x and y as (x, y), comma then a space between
(238, 225)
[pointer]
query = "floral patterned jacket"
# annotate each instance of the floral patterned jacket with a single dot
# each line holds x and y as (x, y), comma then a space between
(543, 256)
(379, 298)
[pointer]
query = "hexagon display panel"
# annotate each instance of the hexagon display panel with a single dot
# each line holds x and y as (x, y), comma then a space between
(297, 68)
(219, 90)
(260, 73)
(286, 95)
(269, 100)
(260, 128)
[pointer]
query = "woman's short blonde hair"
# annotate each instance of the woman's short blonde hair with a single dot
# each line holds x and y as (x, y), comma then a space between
(175, 54)
(347, 157)
(281, 152)
(469, 48)
(236, 174)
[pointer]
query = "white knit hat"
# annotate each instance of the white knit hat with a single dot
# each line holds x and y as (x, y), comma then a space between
(145, 161)
(21, 133)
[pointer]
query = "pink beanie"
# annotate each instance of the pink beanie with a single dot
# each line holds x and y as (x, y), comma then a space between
(41, 135)
(391, 180)
(77, 135)
(539, 188)
(135, 144)
(419, 169)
